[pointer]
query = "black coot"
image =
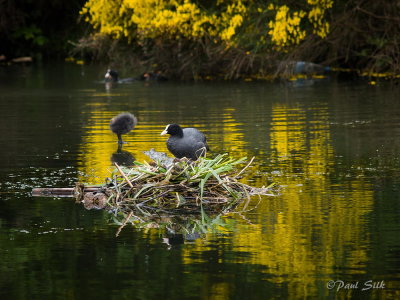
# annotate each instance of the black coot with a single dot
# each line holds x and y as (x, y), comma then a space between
(187, 142)
(122, 124)
(111, 76)
(150, 76)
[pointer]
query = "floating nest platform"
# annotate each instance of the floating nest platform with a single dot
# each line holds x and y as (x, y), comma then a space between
(197, 193)
(173, 186)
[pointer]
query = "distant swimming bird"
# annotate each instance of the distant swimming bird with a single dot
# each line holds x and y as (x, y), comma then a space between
(122, 124)
(111, 76)
(187, 142)
(150, 76)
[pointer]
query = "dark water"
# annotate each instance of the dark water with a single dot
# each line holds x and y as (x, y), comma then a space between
(333, 148)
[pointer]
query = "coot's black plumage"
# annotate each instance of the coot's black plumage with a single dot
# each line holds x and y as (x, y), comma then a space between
(111, 76)
(122, 124)
(186, 142)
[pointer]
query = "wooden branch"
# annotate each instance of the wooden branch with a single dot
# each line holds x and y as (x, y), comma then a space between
(123, 175)
(237, 175)
(124, 223)
(60, 192)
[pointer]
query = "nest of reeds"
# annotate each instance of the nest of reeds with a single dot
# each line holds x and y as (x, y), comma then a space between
(173, 187)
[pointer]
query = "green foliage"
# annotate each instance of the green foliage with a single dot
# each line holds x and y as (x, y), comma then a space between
(38, 27)
(32, 33)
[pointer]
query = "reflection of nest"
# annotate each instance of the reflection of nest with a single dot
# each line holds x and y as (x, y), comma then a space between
(94, 200)
(173, 187)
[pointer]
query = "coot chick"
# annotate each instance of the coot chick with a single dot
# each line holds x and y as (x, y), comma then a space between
(122, 124)
(187, 142)
(111, 76)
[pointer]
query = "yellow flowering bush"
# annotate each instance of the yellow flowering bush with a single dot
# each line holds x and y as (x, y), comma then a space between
(167, 18)
(316, 16)
(289, 28)
(196, 38)
(144, 19)
(285, 29)
(109, 17)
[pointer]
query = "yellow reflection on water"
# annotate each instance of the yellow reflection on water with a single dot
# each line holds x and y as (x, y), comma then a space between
(228, 133)
(315, 225)
(303, 235)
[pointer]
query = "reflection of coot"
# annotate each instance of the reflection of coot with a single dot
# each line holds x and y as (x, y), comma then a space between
(187, 142)
(122, 158)
(174, 239)
(179, 239)
(191, 237)
(122, 124)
